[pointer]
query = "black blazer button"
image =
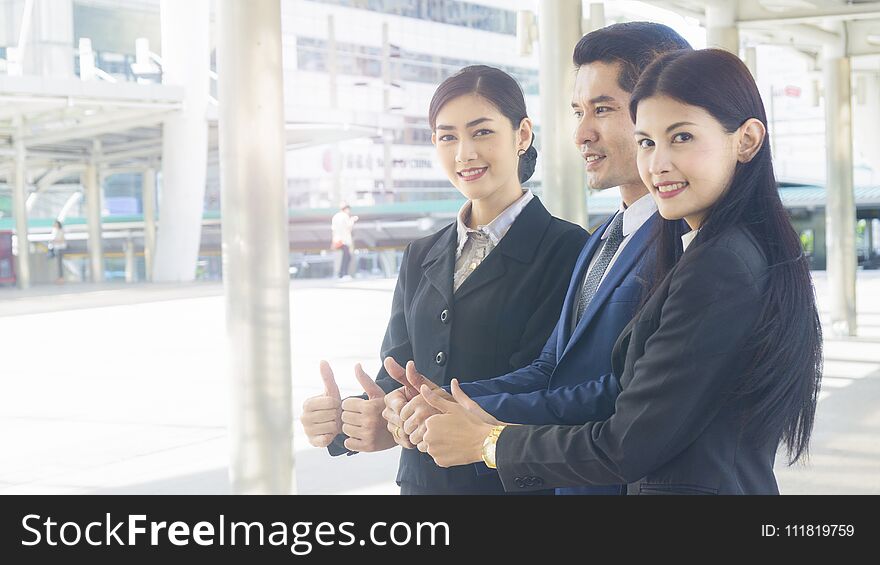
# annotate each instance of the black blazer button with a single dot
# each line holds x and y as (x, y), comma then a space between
(444, 316)
(539, 481)
(519, 482)
(441, 358)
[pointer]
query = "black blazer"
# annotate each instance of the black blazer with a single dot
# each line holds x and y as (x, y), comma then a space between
(497, 321)
(677, 425)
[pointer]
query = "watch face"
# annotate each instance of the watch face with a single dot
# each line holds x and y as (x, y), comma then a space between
(490, 454)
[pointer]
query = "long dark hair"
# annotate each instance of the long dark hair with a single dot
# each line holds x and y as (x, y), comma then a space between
(781, 385)
(501, 90)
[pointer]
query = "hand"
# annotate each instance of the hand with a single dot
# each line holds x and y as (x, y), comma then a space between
(418, 410)
(322, 415)
(362, 419)
(396, 400)
(455, 436)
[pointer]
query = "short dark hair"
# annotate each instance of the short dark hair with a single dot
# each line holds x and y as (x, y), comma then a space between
(497, 87)
(634, 45)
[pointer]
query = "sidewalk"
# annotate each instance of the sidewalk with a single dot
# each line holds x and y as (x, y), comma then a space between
(121, 389)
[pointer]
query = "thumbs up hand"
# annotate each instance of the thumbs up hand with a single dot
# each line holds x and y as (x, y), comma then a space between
(455, 435)
(418, 410)
(362, 420)
(322, 414)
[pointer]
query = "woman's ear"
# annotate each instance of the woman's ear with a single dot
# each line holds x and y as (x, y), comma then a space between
(524, 134)
(752, 134)
(434, 138)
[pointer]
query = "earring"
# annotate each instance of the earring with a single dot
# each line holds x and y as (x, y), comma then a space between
(521, 152)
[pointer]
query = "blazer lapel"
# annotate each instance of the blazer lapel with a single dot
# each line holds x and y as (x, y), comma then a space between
(622, 266)
(439, 263)
(520, 243)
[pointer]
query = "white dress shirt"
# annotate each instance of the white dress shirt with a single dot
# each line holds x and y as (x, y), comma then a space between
(475, 244)
(687, 238)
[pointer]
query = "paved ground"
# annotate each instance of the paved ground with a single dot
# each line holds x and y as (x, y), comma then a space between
(107, 389)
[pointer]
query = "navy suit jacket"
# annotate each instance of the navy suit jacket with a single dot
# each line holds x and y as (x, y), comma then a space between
(571, 381)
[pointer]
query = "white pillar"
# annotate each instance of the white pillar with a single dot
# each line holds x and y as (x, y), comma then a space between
(185, 62)
(721, 30)
(387, 134)
(94, 206)
(559, 23)
(255, 245)
(840, 211)
(866, 122)
(128, 248)
(51, 53)
(148, 201)
(19, 209)
(597, 18)
(751, 60)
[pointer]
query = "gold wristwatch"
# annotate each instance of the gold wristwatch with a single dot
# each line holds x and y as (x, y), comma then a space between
(489, 446)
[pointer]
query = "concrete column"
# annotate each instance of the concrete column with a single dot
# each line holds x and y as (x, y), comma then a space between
(185, 62)
(332, 75)
(751, 60)
(19, 208)
(559, 23)
(94, 206)
(866, 122)
(721, 30)
(128, 247)
(255, 245)
(840, 215)
(387, 134)
(52, 51)
(597, 18)
(148, 201)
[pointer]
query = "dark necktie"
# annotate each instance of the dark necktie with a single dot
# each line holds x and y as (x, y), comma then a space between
(591, 282)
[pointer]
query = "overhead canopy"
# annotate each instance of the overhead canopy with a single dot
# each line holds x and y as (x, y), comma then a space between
(63, 118)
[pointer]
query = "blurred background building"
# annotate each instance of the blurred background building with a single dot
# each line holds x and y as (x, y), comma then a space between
(83, 79)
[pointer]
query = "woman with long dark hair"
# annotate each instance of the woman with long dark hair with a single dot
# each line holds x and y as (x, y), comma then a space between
(476, 299)
(723, 362)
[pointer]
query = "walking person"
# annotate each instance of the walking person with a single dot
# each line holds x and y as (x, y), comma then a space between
(342, 225)
(57, 246)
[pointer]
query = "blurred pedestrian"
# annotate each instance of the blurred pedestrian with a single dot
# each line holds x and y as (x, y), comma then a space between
(57, 245)
(342, 225)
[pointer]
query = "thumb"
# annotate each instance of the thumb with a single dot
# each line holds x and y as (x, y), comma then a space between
(398, 373)
(373, 390)
(416, 379)
(465, 401)
(330, 388)
(434, 399)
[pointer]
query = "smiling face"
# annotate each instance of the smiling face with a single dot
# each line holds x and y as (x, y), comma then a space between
(685, 157)
(604, 128)
(478, 148)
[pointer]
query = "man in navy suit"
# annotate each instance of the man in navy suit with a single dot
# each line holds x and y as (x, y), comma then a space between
(611, 274)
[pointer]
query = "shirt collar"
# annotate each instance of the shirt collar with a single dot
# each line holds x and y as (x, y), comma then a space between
(497, 228)
(636, 215)
(688, 238)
